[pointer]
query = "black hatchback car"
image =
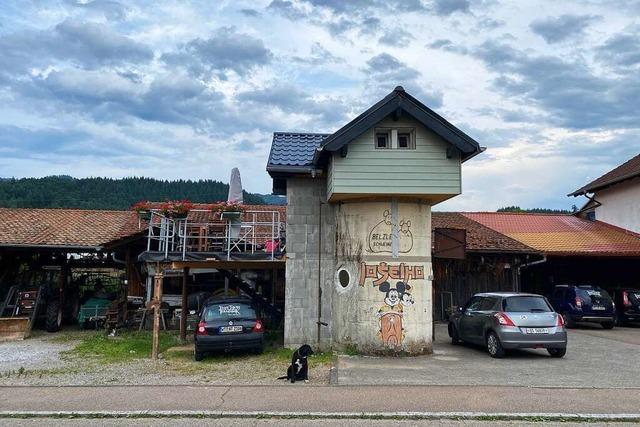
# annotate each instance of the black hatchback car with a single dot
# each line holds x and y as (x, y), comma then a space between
(627, 305)
(584, 303)
(228, 324)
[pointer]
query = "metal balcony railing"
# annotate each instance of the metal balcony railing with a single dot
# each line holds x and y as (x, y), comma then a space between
(254, 232)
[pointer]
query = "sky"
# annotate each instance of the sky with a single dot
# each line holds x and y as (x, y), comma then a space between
(177, 89)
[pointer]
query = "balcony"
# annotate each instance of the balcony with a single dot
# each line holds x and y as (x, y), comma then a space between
(252, 235)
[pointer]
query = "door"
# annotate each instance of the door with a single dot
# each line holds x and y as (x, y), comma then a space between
(468, 319)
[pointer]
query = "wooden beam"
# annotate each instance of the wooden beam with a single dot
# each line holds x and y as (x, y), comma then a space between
(185, 308)
(157, 301)
(229, 265)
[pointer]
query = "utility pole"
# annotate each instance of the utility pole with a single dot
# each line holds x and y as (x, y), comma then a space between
(157, 301)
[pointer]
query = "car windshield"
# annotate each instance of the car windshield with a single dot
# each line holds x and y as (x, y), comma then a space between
(525, 304)
(587, 292)
(226, 311)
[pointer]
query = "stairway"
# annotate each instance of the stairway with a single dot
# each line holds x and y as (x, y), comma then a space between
(258, 299)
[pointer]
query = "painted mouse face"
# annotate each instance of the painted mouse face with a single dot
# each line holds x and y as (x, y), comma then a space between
(407, 299)
(393, 296)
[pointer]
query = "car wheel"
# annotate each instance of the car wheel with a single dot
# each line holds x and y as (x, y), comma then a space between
(453, 333)
(620, 320)
(607, 325)
(557, 352)
(568, 321)
(494, 346)
(198, 356)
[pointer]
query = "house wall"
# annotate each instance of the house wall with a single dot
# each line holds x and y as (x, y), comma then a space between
(310, 263)
(620, 205)
(384, 261)
(423, 171)
(360, 238)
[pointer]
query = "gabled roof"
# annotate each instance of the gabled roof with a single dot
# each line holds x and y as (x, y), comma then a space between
(293, 152)
(561, 235)
(625, 171)
(293, 149)
(65, 228)
(479, 237)
(400, 102)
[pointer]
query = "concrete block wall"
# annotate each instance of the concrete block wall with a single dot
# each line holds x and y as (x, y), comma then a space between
(310, 263)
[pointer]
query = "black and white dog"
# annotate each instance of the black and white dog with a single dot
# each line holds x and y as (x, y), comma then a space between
(299, 368)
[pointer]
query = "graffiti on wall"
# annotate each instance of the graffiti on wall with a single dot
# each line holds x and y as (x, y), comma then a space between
(396, 297)
(381, 235)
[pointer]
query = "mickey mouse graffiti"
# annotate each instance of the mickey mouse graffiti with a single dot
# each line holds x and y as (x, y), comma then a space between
(396, 298)
(391, 313)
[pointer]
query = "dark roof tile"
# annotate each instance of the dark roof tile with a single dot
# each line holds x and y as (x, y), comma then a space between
(294, 149)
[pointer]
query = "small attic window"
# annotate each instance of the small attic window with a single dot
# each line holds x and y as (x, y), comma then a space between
(406, 140)
(382, 139)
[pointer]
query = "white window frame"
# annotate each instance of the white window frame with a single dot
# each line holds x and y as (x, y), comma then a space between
(412, 138)
(385, 131)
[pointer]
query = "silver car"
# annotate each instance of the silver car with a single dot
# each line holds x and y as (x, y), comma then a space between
(502, 321)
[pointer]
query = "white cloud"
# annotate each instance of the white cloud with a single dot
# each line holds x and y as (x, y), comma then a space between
(172, 89)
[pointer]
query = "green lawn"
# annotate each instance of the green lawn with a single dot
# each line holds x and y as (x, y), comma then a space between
(126, 346)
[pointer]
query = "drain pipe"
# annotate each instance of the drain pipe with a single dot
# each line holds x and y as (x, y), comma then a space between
(529, 264)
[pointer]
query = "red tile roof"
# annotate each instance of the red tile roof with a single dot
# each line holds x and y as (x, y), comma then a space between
(562, 234)
(68, 228)
(625, 171)
(479, 237)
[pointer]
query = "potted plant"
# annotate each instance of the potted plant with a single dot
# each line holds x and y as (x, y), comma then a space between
(177, 209)
(143, 209)
(229, 211)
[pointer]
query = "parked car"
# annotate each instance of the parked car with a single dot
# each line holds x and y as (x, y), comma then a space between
(584, 303)
(502, 321)
(627, 302)
(228, 324)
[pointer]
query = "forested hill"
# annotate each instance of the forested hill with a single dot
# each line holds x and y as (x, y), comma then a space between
(108, 193)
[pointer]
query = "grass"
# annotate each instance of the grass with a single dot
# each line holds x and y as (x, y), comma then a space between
(122, 348)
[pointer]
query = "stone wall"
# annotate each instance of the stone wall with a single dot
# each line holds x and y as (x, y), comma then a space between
(310, 263)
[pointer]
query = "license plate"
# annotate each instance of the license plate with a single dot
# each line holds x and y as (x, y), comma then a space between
(536, 330)
(597, 307)
(230, 329)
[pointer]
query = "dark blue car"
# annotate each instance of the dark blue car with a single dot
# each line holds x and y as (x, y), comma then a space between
(584, 303)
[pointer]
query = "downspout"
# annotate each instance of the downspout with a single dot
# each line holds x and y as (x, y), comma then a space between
(319, 269)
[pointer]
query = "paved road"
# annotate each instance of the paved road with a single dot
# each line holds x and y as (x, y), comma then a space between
(595, 358)
(308, 398)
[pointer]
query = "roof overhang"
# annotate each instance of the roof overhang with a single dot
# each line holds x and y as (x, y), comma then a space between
(593, 188)
(397, 103)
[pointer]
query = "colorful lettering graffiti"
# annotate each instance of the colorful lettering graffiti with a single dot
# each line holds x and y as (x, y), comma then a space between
(396, 297)
(382, 272)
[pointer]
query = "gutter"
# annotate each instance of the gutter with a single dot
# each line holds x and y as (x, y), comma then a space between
(33, 246)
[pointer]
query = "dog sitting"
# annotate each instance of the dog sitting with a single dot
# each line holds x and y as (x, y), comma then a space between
(299, 368)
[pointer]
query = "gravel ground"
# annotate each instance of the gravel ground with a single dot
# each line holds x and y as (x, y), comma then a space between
(41, 360)
(241, 422)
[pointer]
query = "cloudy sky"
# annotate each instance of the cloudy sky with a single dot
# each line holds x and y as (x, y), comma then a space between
(174, 89)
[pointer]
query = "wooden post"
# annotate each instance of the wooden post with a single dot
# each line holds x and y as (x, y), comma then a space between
(157, 301)
(185, 308)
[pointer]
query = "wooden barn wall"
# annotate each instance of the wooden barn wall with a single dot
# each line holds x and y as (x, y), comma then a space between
(455, 281)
